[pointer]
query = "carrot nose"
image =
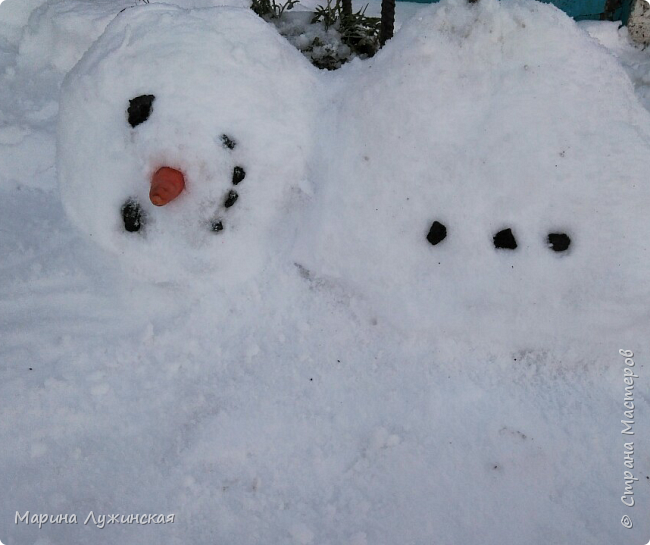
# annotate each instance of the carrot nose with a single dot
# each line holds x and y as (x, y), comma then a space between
(166, 184)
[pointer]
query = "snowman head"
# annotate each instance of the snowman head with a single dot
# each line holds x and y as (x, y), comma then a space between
(183, 141)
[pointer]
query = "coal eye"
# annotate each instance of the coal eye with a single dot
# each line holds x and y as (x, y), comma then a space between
(437, 233)
(140, 109)
(505, 240)
(558, 242)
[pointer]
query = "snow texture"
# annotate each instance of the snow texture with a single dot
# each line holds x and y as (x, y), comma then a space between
(633, 58)
(319, 372)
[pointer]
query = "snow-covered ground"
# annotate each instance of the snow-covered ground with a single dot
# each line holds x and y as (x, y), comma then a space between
(317, 372)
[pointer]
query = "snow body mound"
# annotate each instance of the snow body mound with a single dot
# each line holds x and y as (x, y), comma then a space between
(225, 92)
(488, 117)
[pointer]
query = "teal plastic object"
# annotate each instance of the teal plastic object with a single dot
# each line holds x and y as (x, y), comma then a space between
(610, 10)
(594, 9)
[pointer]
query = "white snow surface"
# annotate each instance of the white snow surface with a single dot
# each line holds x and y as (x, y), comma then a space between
(319, 373)
(634, 58)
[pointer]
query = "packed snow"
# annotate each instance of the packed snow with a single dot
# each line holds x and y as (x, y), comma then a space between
(332, 366)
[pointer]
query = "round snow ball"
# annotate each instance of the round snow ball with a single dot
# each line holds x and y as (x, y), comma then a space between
(197, 92)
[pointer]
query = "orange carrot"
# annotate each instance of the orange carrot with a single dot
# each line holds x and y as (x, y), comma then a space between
(166, 184)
